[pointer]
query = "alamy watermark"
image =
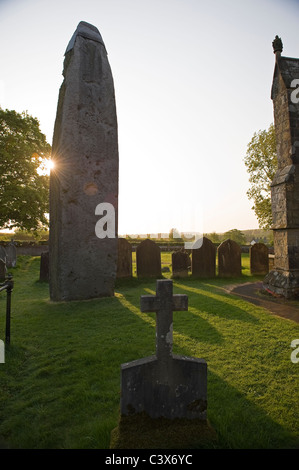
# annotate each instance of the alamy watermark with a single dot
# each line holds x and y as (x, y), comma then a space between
(2, 352)
(105, 228)
(295, 93)
(295, 353)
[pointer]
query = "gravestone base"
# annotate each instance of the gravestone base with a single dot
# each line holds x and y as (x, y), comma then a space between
(284, 283)
(140, 431)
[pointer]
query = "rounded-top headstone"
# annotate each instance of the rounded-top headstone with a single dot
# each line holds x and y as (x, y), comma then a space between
(204, 259)
(229, 259)
(148, 259)
(259, 259)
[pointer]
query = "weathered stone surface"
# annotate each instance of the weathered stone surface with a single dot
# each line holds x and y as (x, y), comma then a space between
(204, 259)
(259, 259)
(164, 385)
(2, 270)
(11, 255)
(44, 267)
(285, 186)
(3, 253)
(85, 152)
(229, 259)
(124, 264)
(148, 259)
(284, 283)
(180, 263)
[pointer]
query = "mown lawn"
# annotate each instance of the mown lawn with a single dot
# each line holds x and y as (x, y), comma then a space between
(60, 384)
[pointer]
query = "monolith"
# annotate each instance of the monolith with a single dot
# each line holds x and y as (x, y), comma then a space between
(84, 181)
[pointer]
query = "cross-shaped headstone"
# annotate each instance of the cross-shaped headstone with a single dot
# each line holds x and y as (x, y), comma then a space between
(164, 384)
(164, 303)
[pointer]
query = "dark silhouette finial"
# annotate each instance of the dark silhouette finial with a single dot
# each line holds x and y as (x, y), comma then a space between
(277, 45)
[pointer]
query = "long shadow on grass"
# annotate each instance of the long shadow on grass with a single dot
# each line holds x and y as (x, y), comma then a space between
(216, 303)
(96, 338)
(240, 424)
(196, 326)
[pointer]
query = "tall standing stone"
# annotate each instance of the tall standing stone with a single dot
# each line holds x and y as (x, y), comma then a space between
(284, 278)
(229, 259)
(85, 152)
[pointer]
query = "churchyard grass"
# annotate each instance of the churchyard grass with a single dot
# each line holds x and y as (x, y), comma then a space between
(60, 383)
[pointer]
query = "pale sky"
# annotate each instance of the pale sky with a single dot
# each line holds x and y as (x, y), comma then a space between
(192, 83)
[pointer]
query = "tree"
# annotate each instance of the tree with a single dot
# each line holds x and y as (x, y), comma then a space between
(213, 236)
(261, 163)
(235, 235)
(24, 193)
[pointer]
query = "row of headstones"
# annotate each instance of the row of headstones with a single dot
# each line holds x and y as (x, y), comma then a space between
(202, 263)
(8, 258)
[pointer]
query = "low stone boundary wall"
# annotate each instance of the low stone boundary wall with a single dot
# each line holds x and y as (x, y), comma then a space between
(34, 250)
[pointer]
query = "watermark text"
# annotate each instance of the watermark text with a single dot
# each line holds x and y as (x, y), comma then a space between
(2, 352)
(295, 353)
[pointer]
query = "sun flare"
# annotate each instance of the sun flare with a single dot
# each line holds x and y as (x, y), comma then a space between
(50, 165)
(46, 167)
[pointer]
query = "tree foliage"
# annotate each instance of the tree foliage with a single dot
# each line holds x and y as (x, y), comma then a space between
(23, 191)
(235, 235)
(261, 164)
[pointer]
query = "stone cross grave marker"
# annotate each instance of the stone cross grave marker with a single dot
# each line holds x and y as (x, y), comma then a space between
(164, 385)
(164, 303)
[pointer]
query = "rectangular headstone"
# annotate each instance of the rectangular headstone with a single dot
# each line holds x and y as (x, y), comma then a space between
(164, 385)
(84, 181)
(180, 263)
(44, 267)
(124, 263)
